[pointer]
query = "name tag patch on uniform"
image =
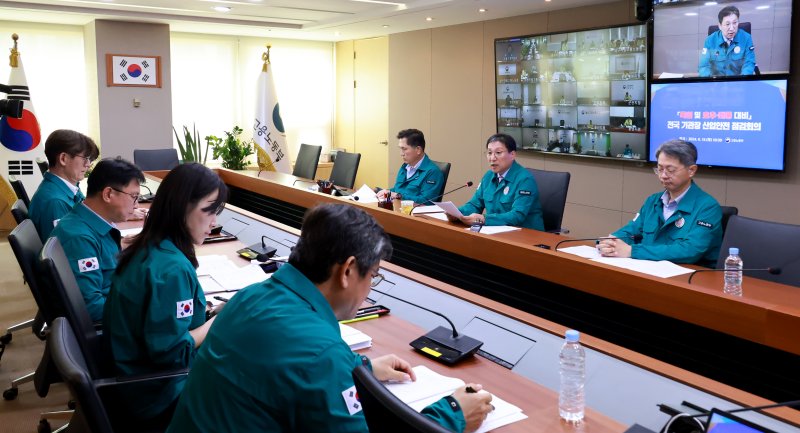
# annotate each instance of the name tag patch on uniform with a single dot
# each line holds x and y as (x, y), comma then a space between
(705, 224)
(432, 182)
(88, 264)
(185, 308)
(351, 400)
(523, 192)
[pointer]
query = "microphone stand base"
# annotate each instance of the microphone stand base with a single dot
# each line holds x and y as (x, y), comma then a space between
(440, 345)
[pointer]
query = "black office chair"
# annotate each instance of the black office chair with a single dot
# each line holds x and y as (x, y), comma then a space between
(305, 165)
(43, 165)
(345, 169)
(19, 211)
(19, 189)
(727, 213)
(742, 26)
(764, 244)
(156, 159)
(553, 187)
(444, 167)
(385, 412)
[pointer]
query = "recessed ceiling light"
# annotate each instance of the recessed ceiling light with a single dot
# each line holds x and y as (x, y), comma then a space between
(691, 14)
(222, 9)
(547, 1)
(429, 19)
(710, 3)
(761, 8)
(481, 10)
(337, 33)
(385, 26)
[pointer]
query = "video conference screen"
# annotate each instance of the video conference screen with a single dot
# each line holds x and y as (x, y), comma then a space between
(721, 38)
(732, 123)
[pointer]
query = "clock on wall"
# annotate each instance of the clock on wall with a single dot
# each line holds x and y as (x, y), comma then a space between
(133, 70)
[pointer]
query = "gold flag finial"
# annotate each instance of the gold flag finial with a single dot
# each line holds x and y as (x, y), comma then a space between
(265, 58)
(14, 57)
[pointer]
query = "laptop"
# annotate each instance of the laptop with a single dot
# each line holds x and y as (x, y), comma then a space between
(725, 422)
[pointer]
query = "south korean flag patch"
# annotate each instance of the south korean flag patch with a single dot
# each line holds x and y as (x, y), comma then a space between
(350, 396)
(88, 264)
(185, 309)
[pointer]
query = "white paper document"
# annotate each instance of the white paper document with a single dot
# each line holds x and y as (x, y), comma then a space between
(431, 386)
(493, 230)
(130, 232)
(584, 251)
(439, 216)
(661, 268)
(449, 208)
(354, 338)
(217, 274)
(365, 194)
(426, 209)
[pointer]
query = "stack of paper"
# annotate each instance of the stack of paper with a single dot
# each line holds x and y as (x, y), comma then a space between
(431, 386)
(218, 274)
(661, 268)
(354, 338)
(493, 230)
(365, 194)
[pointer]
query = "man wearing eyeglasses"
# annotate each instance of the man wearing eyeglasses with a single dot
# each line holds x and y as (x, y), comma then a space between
(69, 155)
(683, 224)
(88, 233)
(729, 50)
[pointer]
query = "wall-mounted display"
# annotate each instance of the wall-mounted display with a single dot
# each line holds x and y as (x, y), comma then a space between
(580, 93)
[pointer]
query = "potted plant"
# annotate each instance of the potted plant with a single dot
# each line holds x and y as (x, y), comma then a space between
(191, 152)
(232, 150)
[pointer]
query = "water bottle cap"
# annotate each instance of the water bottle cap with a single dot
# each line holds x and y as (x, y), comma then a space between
(573, 336)
(733, 251)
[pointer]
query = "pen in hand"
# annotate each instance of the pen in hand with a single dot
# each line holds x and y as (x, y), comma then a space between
(220, 298)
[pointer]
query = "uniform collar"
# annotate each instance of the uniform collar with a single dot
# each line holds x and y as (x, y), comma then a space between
(300, 285)
(93, 220)
(510, 174)
(60, 181)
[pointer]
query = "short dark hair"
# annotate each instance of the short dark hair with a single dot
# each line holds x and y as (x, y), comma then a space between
(179, 192)
(684, 151)
(69, 142)
(113, 172)
(414, 137)
(507, 140)
(332, 233)
(727, 10)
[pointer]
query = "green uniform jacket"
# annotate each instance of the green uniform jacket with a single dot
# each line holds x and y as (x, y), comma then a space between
(152, 306)
(512, 202)
(719, 59)
(692, 234)
(274, 361)
(91, 246)
(52, 200)
(424, 186)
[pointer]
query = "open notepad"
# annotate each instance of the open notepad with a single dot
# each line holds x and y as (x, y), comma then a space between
(430, 386)
(354, 338)
(218, 274)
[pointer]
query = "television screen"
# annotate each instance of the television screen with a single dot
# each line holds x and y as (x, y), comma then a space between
(580, 93)
(721, 38)
(732, 123)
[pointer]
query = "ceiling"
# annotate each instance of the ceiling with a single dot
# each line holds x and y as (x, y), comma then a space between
(326, 20)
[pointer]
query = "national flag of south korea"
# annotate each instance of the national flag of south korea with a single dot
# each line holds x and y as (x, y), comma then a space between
(21, 138)
(132, 70)
(268, 131)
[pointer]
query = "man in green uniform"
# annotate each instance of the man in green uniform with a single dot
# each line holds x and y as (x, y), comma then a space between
(88, 233)
(69, 155)
(418, 179)
(507, 195)
(729, 50)
(275, 361)
(682, 224)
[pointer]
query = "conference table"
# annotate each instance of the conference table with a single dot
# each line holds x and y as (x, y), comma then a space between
(638, 379)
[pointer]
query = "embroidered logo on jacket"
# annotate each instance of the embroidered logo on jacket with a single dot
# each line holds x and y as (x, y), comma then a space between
(350, 397)
(185, 309)
(88, 264)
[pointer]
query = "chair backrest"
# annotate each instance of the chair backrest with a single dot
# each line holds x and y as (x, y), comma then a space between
(307, 159)
(25, 243)
(155, 159)
(66, 354)
(727, 213)
(553, 187)
(385, 412)
(444, 167)
(19, 189)
(43, 165)
(19, 211)
(345, 169)
(55, 270)
(764, 244)
(742, 26)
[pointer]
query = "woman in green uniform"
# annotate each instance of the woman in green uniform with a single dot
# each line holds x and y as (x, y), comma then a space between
(155, 314)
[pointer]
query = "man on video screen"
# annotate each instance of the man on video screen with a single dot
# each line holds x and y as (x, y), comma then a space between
(728, 51)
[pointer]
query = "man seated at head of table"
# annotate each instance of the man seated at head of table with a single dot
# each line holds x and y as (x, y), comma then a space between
(682, 224)
(88, 233)
(507, 194)
(418, 179)
(69, 155)
(275, 361)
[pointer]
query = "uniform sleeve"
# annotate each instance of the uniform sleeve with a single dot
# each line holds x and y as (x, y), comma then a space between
(704, 234)
(475, 204)
(447, 417)
(704, 66)
(519, 208)
(749, 67)
(169, 318)
(89, 276)
(50, 211)
(430, 187)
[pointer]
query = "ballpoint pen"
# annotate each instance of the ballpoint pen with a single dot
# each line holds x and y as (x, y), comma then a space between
(358, 319)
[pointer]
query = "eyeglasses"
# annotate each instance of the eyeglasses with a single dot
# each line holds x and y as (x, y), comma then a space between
(135, 197)
(496, 154)
(669, 171)
(730, 25)
(377, 279)
(86, 159)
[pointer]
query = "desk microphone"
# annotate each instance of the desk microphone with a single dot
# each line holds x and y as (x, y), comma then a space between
(146, 198)
(681, 425)
(439, 197)
(259, 251)
(771, 270)
(303, 180)
(635, 238)
(442, 344)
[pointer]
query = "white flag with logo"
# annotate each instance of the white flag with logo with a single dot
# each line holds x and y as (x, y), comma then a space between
(268, 131)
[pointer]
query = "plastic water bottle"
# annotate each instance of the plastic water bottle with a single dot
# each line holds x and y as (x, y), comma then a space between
(733, 273)
(571, 394)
